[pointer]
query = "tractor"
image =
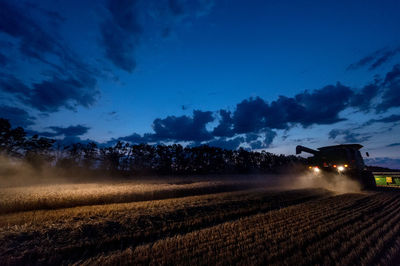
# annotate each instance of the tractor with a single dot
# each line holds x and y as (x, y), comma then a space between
(344, 159)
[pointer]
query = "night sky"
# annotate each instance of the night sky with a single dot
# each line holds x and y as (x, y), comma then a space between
(253, 74)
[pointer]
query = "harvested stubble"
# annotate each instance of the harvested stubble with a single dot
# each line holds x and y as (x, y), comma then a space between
(76, 234)
(347, 229)
(46, 197)
(302, 227)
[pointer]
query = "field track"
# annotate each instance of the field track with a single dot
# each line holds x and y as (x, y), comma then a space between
(253, 226)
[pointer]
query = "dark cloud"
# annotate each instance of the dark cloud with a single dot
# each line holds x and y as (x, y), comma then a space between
(365, 60)
(134, 138)
(34, 41)
(383, 58)
(120, 33)
(176, 128)
(253, 117)
(363, 99)
(266, 140)
(70, 134)
(391, 94)
(250, 115)
(348, 135)
(393, 163)
(393, 144)
(226, 143)
(225, 126)
(50, 95)
(10, 84)
(307, 108)
(176, 7)
(284, 111)
(16, 116)
(124, 26)
(251, 137)
(3, 60)
(376, 59)
(388, 119)
(324, 105)
(183, 128)
(52, 17)
(77, 130)
(269, 136)
(68, 82)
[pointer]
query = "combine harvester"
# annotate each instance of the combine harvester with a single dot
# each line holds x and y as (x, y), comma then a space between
(346, 160)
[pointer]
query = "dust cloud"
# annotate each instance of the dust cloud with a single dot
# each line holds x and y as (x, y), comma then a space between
(336, 183)
(15, 172)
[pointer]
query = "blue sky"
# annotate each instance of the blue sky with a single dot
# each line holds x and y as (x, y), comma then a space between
(261, 75)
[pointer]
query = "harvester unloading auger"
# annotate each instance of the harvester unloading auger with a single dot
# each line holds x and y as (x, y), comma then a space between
(342, 159)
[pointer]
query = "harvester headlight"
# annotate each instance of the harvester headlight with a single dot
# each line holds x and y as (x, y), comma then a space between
(340, 168)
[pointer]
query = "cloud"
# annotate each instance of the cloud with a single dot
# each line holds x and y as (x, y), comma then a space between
(363, 99)
(16, 116)
(77, 130)
(320, 106)
(3, 60)
(225, 126)
(250, 115)
(10, 84)
(387, 119)
(68, 82)
(393, 144)
(183, 128)
(348, 135)
(134, 138)
(391, 94)
(34, 41)
(324, 105)
(375, 59)
(120, 33)
(226, 143)
(70, 132)
(50, 95)
(267, 138)
(383, 58)
(254, 118)
(251, 137)
(127, 23)
(392, 163)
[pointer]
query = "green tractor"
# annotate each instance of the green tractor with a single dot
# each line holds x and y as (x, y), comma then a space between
(342, 159)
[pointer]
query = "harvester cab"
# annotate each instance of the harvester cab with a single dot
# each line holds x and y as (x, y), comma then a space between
(342, 159)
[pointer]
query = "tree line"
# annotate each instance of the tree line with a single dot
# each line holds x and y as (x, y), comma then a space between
(127, 159)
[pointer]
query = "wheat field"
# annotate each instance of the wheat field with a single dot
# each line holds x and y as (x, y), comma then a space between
(196, 223)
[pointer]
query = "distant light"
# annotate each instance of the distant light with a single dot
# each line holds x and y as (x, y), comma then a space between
(316, 169)
(340, 168)
(346, 165)
(309, 167)
(334, 165)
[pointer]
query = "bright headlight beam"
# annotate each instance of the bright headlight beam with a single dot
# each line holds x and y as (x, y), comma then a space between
(340, 168)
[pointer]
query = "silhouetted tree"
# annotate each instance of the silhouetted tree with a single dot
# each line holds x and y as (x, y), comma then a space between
(12, 141)
(123, 158)
(38, 151)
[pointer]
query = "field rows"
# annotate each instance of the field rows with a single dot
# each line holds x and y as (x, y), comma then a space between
(346, 229)
(48, 197)
(76, 234)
